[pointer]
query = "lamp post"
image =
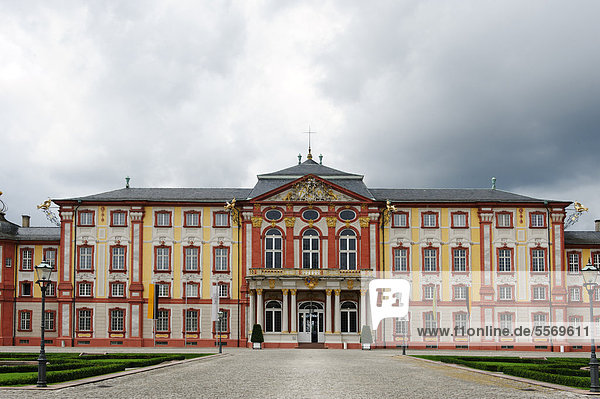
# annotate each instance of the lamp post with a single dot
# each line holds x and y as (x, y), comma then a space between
(590, 274)
(43, 272)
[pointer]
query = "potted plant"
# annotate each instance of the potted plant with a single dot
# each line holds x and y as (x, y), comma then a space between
(366, 339)
(257, 337)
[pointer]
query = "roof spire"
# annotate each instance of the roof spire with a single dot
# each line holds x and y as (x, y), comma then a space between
(493, 183)
(127, 181)
(309, 149)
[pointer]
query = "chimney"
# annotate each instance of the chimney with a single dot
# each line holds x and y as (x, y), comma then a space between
(597, 224)
(26, 219)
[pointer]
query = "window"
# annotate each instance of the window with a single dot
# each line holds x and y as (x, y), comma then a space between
(163, 290)
(459, 220)
(401, 327)
(596, 259)
(191, 321)
(429, 320)
(26, 288)
(400, 259)
(273, 215)
(347, 215)
(273, 249)
(400, 219)
(428, 292)
(506, 321)
(310, 214)
(349, 317)
(539, 320)
(575, 321)
(223, 326)
(117, 258)
(162, 219)
(192, 219)
(597, 294)
(504, 220)
(429, 219)
(539, 293)
(163, 259)
(505, 260)
(117, 290)
(430, 259)
(575, 294)
(25, 320)
(272, 316)
(221, 259)
(505, 293)
(347, 250)
(310, 249)
(574, 262)
(223, 290)
(86, 218)
(117, 320)
(26, 259)
(191, 290)
(162, 321)
(84, 320)
(51, 289)
(50, 320)
(460, 323)
(460, 292)
(538, 260)
(459, 259)
(50, 257)
(84, 289)
(118, 218)
(537, 220)
(221, 219)
(191, 259)
(86, 258)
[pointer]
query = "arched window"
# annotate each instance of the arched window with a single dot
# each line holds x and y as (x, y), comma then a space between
(349, 317)
(273, 249)
(273, 316)
(348, 250)
(310, 249)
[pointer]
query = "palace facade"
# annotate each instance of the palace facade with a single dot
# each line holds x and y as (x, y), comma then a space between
(295, 254)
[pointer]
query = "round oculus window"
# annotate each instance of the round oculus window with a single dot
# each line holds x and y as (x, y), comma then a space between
(347, 215)
(310, 214)
(273, 214)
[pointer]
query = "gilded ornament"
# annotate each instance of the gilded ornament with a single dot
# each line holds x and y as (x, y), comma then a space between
(235, 213)
(331, 221)
(290, 221)
(364, 221)
(256, 221)
(289, 207)
(271, 283)
(350, 284)
(337, 292)
(293, 291)
(311, 282)
(311, 190)
(387, 212)
(257, 207)
(285, 291)
(363, 292)
(259, 291)
(328, 292)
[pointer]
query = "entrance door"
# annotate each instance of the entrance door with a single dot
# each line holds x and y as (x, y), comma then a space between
(311, 322)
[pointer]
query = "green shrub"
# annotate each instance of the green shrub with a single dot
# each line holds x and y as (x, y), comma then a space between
(257, 334)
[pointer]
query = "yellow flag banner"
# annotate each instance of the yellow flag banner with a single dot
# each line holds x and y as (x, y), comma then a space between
(151, 296)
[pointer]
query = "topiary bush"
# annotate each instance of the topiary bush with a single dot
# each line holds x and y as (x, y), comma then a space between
(257, 334)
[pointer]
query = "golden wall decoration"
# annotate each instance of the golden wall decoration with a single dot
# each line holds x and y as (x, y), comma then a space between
(331, 221)
(364, 221)
(311, 282)
(256, 221)
(271, 283)
(311, 190)
(290, 221)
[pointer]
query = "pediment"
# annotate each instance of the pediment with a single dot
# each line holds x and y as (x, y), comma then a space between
(311, 189)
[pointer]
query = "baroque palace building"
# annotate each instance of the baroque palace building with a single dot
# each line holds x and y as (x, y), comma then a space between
(295, 254)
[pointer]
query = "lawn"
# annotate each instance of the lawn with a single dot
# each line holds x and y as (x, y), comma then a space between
(562, 371)
(72, 366)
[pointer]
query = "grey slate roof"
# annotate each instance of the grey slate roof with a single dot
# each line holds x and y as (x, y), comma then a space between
(582, 238)
(309, 167)
(449, 195)
(39, 233)
(169, 194)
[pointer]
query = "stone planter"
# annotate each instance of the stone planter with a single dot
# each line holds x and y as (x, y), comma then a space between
(366, 347)
(256, 345)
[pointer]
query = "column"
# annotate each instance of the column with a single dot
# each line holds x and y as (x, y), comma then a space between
(365, 253)
(136, 288)
(251, 311)
(331, 252)
(337, 327)
(64, 290)
(284, 315)
(328, 311)
(363, 308)
(294, 315)
(289, 241)
(259, 307)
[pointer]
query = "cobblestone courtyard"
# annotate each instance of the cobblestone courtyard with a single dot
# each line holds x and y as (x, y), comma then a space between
(298, 373)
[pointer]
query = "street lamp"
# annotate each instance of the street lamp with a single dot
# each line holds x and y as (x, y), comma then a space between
(590, 274)
(43, 272)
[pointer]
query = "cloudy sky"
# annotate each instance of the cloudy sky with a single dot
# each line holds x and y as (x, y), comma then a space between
(211, 93)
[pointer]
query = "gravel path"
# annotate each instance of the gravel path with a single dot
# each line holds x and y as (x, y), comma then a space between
(296, 373)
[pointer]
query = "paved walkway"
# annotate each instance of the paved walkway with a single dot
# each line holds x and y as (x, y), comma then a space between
(307, 373)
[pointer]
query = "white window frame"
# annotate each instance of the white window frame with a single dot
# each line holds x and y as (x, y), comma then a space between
(575, 294)
(505, 260)
(400, 219)
(460, 292)
(348, 256)
(400, 259)
(86, 261)
(117, 320)
(505, 293)
(163, 258)
(539, 293)
(192, 219)
(273, 249)
(27, 259)
(85, 289)
(538, 260)
(430, 259)
(163, 219)
(190, 258)
(119, 218)
(117, 290)
(459, 219)
(191, 290)
(428, 292)
(221, 259)
(192, 318)
(118, 257)
(430, 219)
(460, 260)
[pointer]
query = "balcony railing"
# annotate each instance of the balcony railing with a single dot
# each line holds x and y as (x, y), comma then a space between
(310, 272)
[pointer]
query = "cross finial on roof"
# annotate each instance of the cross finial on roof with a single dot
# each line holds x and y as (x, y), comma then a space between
(309, 150)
